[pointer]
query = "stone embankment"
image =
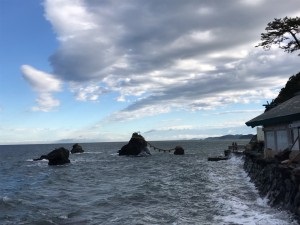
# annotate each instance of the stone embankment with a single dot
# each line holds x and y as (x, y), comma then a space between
(279, 182)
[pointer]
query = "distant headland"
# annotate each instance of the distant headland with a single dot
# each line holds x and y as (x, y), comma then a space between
(231, 137)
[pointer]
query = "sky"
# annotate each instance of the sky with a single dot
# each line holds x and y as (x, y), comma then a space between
(93, 71)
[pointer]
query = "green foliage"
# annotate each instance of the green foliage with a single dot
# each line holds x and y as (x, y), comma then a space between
(282, 32)
(289, 91)
(291, 87)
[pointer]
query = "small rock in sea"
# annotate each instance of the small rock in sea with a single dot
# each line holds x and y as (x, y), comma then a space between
(77, 149)
(179, 150)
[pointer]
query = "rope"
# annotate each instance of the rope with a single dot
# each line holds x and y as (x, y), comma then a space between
(160, 149)
(136, 135)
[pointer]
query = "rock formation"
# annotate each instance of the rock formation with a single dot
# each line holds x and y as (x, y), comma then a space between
(58, 156)
(135, 146)
(77, 149)
(179, 150)
(280, 183)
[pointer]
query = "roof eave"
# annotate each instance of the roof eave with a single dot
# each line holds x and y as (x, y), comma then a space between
(274, 121)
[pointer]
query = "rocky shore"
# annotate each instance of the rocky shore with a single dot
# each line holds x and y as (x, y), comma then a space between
(277, 181)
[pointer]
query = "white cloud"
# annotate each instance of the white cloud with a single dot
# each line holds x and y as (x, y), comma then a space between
(45, 85)
(39, 80)
(137, 113)
(239, 112)
(69, 17)
(45, 102)
(90, 92)
(193, 64)
(192, 55)
(252, 2)
(172, 128)
(196, 131)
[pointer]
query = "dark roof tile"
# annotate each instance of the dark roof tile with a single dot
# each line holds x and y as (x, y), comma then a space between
(285, 112)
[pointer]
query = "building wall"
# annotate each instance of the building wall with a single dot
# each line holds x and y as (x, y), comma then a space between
(270, 139)
(281, 137)
(260, 134)
(295, 135)
(277, 138)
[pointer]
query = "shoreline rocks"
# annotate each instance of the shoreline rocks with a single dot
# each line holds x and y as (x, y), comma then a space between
(280, 183)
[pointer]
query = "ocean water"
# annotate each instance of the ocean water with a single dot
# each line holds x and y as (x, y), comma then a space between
(100, 187)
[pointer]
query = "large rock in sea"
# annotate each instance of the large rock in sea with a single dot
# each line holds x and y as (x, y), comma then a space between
(77, 149)
(58, 156)
(136, 145)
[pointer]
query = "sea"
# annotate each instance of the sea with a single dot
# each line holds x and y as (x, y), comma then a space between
(101, 187)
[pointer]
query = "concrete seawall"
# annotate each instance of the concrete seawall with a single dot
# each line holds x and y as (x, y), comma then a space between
(279, 183)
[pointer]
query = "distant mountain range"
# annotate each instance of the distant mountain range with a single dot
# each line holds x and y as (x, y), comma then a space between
(231, 137)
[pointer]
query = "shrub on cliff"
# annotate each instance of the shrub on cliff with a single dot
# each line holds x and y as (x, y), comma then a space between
(291, 88)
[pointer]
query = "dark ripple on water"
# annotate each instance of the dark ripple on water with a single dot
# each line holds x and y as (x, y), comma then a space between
(99, 187)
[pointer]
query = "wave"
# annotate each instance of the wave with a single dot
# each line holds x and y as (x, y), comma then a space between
(4, 200)
(90, 153)
(31, 160)
(238, 200)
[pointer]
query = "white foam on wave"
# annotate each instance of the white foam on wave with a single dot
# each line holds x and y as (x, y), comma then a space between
(114, 154)
(31, 160)
(255, 219)
(5, 199)
(237, 199)
(238, 211)
(262, 202)
(74, 161)
(39, 163)
(91, 153)
(64, 217)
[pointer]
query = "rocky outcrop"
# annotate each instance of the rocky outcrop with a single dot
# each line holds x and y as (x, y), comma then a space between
(280, 183)
(77, 149)
(135, 146)
(179, 150)
(58, 156)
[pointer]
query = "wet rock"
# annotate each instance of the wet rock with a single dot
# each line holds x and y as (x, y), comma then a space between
(278, 182)
(58, 156)
(77, 149)
(179, 150)
(135, 146)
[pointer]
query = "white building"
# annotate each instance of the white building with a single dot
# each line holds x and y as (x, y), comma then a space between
(260, 134)
(281, 126)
